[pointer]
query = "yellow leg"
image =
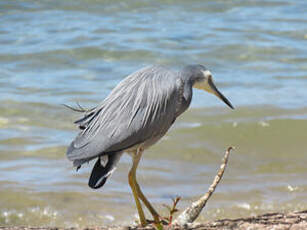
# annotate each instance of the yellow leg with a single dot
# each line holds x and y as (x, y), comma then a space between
(153, 212)
(139, 192)
(133, 184)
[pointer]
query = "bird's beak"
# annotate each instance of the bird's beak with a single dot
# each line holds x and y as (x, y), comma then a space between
(212, 89)
(208, 85)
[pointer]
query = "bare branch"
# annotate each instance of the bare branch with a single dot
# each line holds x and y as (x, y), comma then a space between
(193, 211)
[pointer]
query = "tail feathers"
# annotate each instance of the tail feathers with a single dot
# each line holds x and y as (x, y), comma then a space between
(78, 163)
(103, 168)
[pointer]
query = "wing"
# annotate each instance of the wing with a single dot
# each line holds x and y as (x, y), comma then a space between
(141, 107)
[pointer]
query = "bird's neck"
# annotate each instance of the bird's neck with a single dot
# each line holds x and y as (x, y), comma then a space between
(185, 97)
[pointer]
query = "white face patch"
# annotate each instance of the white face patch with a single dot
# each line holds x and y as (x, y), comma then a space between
(204, 85)
(207, 74)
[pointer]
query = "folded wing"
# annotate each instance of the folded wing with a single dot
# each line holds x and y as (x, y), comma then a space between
(140, 108)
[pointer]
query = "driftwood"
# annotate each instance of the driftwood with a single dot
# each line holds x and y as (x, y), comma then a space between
(276, 221)
(190, 214)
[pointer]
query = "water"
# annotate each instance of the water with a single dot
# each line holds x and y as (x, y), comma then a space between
(55, 52)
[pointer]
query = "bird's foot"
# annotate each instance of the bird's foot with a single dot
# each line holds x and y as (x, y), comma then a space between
(160, 221)
(172, 209)
(158, 225)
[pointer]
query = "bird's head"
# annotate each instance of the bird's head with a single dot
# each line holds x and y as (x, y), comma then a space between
(201, 78)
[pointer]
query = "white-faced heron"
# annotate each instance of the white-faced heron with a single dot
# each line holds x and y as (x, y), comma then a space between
(135, 115)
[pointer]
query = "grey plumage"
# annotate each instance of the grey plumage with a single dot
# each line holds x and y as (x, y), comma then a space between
(143, 106)
(137, 112)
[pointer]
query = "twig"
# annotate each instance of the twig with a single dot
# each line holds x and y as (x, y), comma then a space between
(193, 211)
(171, 210)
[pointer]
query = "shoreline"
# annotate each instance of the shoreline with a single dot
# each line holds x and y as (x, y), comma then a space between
(281, 221)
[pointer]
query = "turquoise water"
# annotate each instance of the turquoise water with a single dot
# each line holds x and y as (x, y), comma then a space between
(63, 52)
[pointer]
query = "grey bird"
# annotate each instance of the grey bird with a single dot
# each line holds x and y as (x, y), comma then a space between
(134, 116)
